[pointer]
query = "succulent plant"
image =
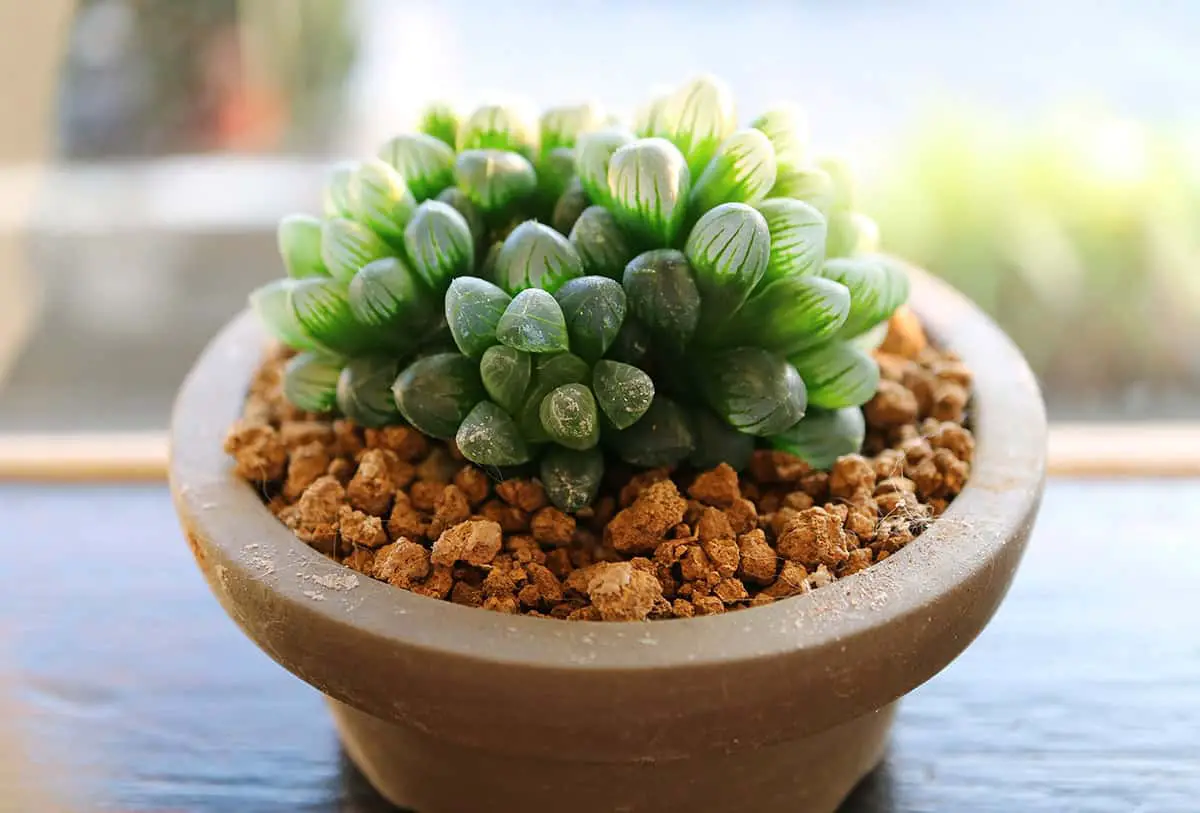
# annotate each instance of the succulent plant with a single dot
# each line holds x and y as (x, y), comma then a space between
(557, 294)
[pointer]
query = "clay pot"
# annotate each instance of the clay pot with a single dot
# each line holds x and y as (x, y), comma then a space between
(451, 709)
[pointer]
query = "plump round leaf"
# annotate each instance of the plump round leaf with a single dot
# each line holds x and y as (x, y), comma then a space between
(728, 250)
(742, 170)
(623, 391)
(346, 246)
(648, 183)
(632, 343)
(310, 381)
(487, 269)
(299, 239)
(389, 296)
(439, 242)
(697, 118)
(842, 177)
(851, 233)
(572, 477)
(663, 296)
(533, 322)
(877, 287)
(649, 120)
(497, 127)
(321, 307)
(797, 237)
(872, 339)
(364, 390)
(809, 184)
(789, 315)
(787, 130)
(593, 153)
(336, 196)
(569, 207)
(424, 162)
(837, 375)
(753, 390)
(663, 436)
(381, 200)
(272, 305)
(536, 256)
(551, 370)
(506, 374)
(488, 436)
(458, 200)
(555, 171)
(493, 179)
(436, 392)
(602, 246)
(823, 436)
(474, 308)
(594, 308)
(562, 126)
(717, 442)
(441, 121)
(569, 416)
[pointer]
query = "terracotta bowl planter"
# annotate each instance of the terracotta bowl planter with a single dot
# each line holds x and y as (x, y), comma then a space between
(450, 709)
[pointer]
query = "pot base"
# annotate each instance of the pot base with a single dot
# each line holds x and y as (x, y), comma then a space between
(426, 774)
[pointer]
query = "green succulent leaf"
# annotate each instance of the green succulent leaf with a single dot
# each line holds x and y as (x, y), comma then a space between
(381, 200)
(797, 237)
(602, 246)
(487, 269)
(623, 391)
(299, 238)
(648, 183)
(697, 118)
(488, 436)
(533, 322)
(569, 207)
(877, 287)
(851, 233)
(364, 390)
(493, 179)
(346, 246)
(436, 392)
(389, 296)
(551, 370)
(717, 442)
(842, 178)
(872, 339)
(536, 256)
(663, 436)
(789, 315)
(632, 343)
(823, 436)
(837, 375)
(753, 390)
(424, 161)
(458, 200)
(273, 306)
(742, 170)
(650, 119)
(310, 381)
(594, 308)
(569, 416)
(321, 307)
(555, 171)
(497, 127)
(439, 242)
(663, 295)
(593, 154)
(474, 308)
(562, 126)
(441, 121)
(336, 196)
(809, 184)
(728, 249)
(572, 477)
(785, 127)
(506, 375)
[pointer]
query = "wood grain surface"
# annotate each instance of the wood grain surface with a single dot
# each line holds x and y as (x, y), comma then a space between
(136, 693)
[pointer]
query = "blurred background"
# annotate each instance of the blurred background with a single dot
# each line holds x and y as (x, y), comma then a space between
(1043, 157)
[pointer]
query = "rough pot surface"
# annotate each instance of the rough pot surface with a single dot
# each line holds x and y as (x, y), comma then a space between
(450, 709)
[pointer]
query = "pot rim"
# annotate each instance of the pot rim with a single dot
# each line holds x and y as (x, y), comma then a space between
(993, 512)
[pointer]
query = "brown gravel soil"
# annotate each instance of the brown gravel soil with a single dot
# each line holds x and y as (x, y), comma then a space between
(398, 507)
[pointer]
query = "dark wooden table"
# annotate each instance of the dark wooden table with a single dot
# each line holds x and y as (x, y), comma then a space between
(134, 692)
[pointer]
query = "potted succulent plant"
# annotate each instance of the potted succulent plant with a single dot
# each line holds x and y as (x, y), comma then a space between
(522, 368)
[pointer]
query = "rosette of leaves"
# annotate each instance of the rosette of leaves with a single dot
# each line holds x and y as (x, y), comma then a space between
(556, 294)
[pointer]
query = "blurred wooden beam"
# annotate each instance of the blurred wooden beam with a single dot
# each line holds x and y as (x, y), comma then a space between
(1076, 450)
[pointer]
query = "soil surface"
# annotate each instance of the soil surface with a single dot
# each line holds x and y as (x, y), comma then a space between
(396, 506)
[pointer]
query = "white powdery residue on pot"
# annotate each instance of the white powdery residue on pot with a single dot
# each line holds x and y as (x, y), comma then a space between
(335, 582)
(314, 595)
